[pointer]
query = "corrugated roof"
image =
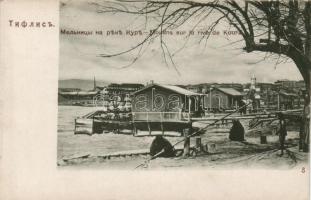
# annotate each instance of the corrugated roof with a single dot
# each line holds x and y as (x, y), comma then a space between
(172, 88)
(230, 91)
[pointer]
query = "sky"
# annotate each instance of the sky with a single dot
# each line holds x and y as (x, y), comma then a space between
(195, 61)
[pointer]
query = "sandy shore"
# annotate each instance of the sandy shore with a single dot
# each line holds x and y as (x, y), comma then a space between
(227, 154)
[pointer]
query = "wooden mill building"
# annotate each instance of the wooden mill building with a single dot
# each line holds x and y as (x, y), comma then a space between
(165, 108)
(221, 99)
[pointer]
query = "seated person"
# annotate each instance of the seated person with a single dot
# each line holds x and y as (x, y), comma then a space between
(160, 143)
(237, 131)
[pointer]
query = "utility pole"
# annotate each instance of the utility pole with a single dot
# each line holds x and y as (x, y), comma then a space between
(278, 89)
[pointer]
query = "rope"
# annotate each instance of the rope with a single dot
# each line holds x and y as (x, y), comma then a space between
(201, 129)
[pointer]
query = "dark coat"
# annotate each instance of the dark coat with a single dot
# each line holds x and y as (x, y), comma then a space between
(236, 131)
(160, 143)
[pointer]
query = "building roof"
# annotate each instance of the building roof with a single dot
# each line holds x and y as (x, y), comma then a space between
(173, 88)
(131, 85)
(230, 91)
(80, 93)
(288, 94)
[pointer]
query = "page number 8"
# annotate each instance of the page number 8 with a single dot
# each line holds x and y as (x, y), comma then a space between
(303, 170)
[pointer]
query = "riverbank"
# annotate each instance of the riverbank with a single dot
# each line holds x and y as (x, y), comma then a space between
(88, 151)
(226, 154)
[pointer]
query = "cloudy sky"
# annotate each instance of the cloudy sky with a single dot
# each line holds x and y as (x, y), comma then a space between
(197, 62)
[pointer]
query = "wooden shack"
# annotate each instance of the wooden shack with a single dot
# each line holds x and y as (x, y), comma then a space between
(286, 100)
(163, 108)
(221, 99)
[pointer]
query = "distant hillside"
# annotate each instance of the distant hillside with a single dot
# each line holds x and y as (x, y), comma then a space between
(80, 83)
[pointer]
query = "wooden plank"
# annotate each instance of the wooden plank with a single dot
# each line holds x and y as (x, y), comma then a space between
(228, 118)
(76, 156)
(142, 133)
(115, 154)
(187, 142)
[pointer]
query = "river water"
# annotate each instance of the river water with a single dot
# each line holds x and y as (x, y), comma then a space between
(97, 144)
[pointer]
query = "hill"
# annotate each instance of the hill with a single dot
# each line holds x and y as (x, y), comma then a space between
(79, 83)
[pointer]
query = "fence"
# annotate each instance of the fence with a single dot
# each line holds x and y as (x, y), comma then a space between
(161, 116)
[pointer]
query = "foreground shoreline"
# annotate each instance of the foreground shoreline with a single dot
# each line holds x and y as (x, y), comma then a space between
(227, 155)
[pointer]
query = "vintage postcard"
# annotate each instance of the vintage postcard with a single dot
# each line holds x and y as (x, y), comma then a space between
(191, 99)
(182, 84)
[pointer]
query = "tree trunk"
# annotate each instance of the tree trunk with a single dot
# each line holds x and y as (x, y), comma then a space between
(306, 118)
(304, 65)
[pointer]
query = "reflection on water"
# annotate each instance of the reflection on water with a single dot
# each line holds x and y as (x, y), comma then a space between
(98, 144)
(70, 144)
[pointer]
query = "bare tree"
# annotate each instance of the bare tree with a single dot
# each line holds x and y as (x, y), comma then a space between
(281, 27)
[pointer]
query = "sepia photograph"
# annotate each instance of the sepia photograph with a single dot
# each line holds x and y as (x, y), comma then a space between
(167, 84)
(155, 99)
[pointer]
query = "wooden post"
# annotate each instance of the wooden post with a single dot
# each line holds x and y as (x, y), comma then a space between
(92, 126)
(278, 101)
(189, 105)
(187, 142)
(152, 98)
(263, 139)
(134, 130)
(162, 128)
(149, 129)
(75, 126)
(198, 144)
(210, 99)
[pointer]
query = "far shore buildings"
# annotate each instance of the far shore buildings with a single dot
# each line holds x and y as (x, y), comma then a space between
(283, 94)
(206, 87)
(76, 96)
(122, 88)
